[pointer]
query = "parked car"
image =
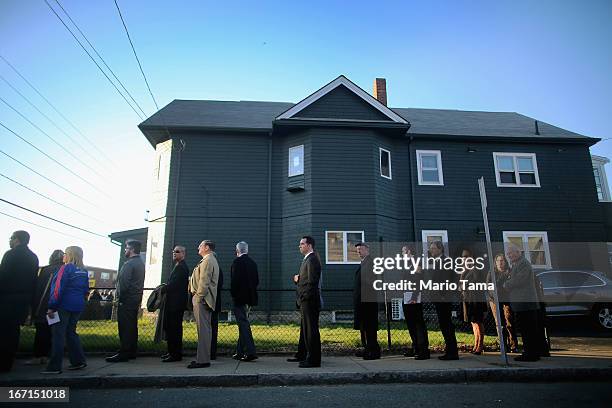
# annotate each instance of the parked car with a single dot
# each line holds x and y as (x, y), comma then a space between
(578, 293)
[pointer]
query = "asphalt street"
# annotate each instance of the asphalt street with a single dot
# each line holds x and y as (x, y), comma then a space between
(524, 395)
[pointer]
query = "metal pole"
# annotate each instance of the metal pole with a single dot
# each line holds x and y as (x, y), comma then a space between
(387, 317)
(483, 204)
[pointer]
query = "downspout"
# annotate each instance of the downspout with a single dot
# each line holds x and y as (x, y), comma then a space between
(412, 198)
(268, 227)
(176, 190)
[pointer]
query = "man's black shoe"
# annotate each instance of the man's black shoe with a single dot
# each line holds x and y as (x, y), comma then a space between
(306, 364)
(171, 359)
(166, 355)
(409, 353)
(447, 357)
(249, 357)
(194, 364)
(423, 357)
(117, 358)
(295, 360)
(370, 356)
(360, 353)
(526, 358)
(237, 356)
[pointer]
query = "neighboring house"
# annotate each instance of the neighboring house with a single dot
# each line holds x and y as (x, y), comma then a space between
(343, 167)
(601, 181)
(101, 277)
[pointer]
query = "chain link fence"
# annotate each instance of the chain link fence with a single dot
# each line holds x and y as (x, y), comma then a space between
(275, 326)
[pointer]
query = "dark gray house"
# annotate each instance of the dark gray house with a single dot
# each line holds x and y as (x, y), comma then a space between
(343, 167)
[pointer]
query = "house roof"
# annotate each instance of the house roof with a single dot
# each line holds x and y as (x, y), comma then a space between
(260, 116)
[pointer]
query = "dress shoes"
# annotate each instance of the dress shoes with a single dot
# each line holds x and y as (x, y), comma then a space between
(166, 355)
(171, 359)
(447, 357)
(117, 358)
(409, 353)
(237, 356)
(422, 357)
(306, 364)
(295, 360)
(249, 357)
(524, 357)
(194, 364)
(371, 356)
(360, 353)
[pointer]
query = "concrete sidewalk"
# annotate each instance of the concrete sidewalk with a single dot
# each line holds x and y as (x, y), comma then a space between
(274, 370)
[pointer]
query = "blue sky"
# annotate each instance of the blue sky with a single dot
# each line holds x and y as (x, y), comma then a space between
(546, 59)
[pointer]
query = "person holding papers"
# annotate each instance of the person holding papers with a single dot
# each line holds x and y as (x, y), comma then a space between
(69, 288)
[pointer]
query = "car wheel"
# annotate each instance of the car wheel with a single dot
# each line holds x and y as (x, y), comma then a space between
(602, 313)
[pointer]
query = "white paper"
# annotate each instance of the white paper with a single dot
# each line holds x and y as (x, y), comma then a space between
(54, 318)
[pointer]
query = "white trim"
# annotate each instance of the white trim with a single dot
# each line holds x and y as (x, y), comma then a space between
(438, 154)
(524, 235)
(342, 80)
(600, 162)
(426, 233)
(345, 248)
(514, 156)
(380, 150)
(289, 160)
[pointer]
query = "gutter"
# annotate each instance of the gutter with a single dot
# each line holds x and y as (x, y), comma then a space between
(412, 154)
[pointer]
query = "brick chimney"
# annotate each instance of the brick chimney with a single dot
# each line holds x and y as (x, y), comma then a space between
(380, 90)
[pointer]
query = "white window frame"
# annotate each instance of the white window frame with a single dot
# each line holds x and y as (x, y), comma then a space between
(524, 236)
(380, 155)
(345, 248)
(515, 156)
(426, 233)
(289, 166)
(438, 154)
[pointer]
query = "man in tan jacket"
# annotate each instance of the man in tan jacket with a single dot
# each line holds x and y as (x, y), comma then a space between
(203, 287)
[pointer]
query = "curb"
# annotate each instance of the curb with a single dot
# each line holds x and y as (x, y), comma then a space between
(473, 375)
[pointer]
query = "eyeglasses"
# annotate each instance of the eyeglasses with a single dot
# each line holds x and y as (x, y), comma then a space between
(177, 252)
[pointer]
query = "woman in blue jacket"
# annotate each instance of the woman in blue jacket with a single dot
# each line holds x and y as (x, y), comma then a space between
(69, 289)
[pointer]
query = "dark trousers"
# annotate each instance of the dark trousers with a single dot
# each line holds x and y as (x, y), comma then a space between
(369, 327)
(9, 341)
(245, 345)
(64, 333)
(42, 339)
(301, 353)
(214, 322)
(530, 332)
(443, 310)
(173, 325)
(310, 331)
(127, 320)
(413, 313)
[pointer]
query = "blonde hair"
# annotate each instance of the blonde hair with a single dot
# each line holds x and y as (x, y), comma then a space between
(74, 254)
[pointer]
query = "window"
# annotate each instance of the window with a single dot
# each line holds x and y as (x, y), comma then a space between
(429, 236)
(429, 165)
(516, 170)
(385, 163)
(598, 184)
(549, 280)
(578, 279)
(105, 276)
(533, 245)
(296, 160)
(340, 247)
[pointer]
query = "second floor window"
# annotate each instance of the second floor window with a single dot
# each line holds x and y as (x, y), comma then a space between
(296, 160)
(516, 170)
(429, 165)
(385, 163)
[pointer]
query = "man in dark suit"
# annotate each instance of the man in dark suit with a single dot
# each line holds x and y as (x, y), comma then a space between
(244, 280)
(309, 301)
(176, 301)
(18, 272)
(366, 310)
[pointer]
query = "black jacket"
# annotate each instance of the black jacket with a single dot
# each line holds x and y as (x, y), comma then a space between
(308, 282)
(18, 271)
(244, 280)
(363, 290)
(41, 293)
(176, 287)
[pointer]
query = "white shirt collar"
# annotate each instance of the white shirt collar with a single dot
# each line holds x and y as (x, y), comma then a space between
(305, 256)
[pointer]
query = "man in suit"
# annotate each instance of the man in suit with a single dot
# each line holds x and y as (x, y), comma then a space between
(366, 310)
(203, 285)
(18, 272)
(309, 302)
(244, 281)
(520, 287)
(176, 299)
(130, 285)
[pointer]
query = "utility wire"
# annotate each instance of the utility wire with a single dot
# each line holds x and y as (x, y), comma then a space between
(51, 121)
(95, 62)
(52, 219)
(38, 225)
(48, 179)
(49, 157)
(48, 198)
(56, 110)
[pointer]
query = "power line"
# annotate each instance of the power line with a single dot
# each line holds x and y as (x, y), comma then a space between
(48, 198)
(46, 155)
(56, 110)
(38, 225)
(50, 120)
(52, 219)
(47, 178)
(95, 62)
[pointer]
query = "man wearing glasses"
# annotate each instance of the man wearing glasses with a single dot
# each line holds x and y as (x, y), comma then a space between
(176, 301)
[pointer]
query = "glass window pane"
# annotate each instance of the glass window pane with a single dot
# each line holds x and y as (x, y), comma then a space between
(352, 238)
(537, 258)
(516, 241)
(296, 161)
(575, 279)
(505, 163)
(429, 161)
(335, 246)
(507, 178)
(525, 164)
(535, 243)
(385, 160)
(527, 178)
(549, 280)
(430, 176)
